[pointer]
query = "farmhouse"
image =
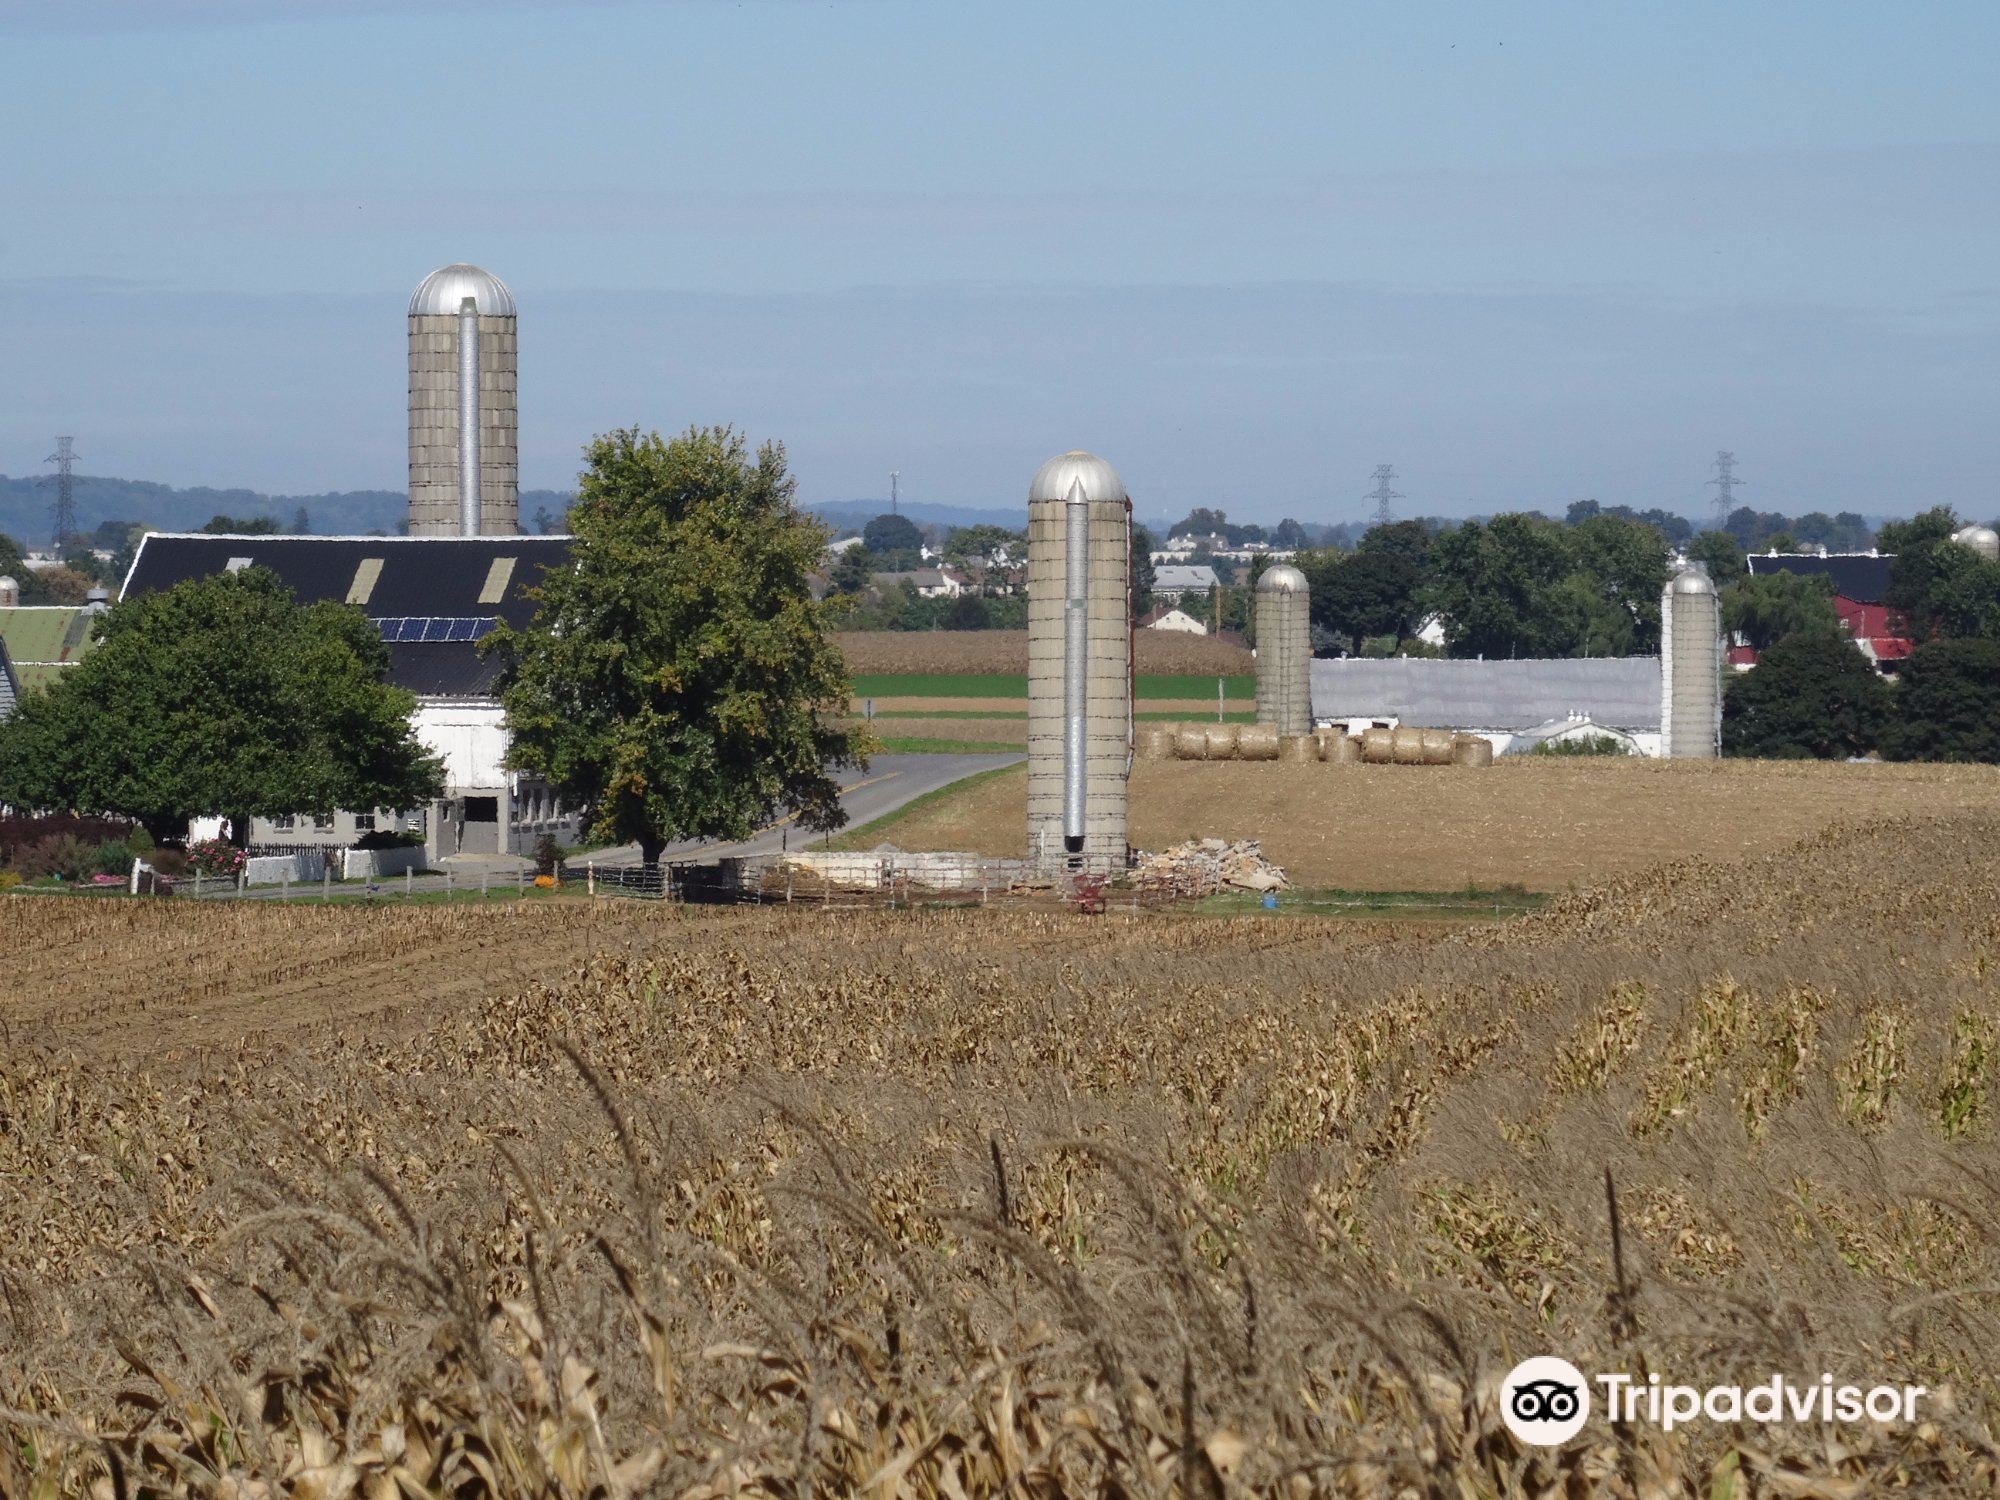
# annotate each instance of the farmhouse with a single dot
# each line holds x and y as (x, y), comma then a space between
(433, 598)
(1170, 617)
(1510, 703)
(1860, 583)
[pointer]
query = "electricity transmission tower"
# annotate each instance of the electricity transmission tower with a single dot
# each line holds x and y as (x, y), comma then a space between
(1382, 494)
(63, 512)
(1725, 482)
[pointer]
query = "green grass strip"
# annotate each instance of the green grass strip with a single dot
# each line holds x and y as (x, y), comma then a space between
(869, 834)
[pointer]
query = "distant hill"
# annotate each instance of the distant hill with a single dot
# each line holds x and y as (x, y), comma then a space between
(25, 501)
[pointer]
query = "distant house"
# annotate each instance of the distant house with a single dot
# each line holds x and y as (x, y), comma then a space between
(930, 583)
(1504, 701)
(846, 543)
(1177, 580)
(433, 598)
(1170, 617)
(1860, 582)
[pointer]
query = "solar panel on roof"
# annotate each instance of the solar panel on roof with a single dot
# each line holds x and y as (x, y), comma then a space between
(434, 627)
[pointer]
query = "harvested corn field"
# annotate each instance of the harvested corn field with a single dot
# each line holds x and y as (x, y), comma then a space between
(984, 1203)
(1543, 823)
(1006, 651)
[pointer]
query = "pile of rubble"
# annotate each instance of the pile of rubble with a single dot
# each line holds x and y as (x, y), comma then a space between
(1202, 867)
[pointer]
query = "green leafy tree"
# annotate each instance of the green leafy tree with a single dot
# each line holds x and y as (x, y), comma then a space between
(242, 526)
(1919, 545)
(1810, 697)
(677, 679)
(1363, 594)
(850, 573)
(1718, 552)
(1948, 703)
(1766, 607)
(221, 695)
(1618, 570)
(1143, 577)
(1412, 540)
(1497, 587)
(975, 544)
(887, 534)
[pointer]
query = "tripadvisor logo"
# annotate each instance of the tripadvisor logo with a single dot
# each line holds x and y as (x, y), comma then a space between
(1545, 1401)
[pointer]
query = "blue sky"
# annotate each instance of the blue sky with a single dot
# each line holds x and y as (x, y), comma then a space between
(1527, 253)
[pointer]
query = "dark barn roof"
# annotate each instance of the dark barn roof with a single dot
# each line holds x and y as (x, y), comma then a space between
(462, 583)
(1854, 575)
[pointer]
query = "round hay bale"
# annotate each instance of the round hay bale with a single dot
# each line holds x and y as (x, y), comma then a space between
(1323, 741)
(1298, 747)
(1377, 746)
(1406, 746)
(1437, 747)
(1222, 740)
(1257, 742)
(1155, 742)
(1471, 750)
(1190, 743)
(1344, 749)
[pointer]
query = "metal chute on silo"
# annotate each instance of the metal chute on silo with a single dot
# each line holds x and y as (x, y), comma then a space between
(1079, 664)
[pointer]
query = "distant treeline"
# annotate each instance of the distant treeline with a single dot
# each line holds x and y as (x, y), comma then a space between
(25, 502)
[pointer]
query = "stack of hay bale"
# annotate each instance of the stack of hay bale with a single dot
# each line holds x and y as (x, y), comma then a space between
(1403, 746)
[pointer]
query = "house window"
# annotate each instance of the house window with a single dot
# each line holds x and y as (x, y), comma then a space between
(364, 822)
(283, 823)
(322, 821)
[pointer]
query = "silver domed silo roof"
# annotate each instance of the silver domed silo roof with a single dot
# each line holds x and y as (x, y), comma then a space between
(440, 293)
(1981, 539)
(1053, 480)
(1281, 578)
(1691, 581)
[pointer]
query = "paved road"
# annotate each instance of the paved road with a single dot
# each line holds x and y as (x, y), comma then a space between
(890, 782)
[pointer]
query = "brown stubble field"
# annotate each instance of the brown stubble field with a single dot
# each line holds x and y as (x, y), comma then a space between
(1548, 824)
(1006, 651)
(942, 1203)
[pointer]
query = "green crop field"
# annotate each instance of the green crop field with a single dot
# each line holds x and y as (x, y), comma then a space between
(1015, 685)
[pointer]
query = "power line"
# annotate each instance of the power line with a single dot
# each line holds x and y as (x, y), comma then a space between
(63, 512)
(1725, 481)
(1382, 494)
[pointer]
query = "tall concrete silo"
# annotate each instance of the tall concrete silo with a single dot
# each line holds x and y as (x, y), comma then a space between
(1691, 667)
(464, 406)
(1981, 539)
(1284, 650)
(1079, 664)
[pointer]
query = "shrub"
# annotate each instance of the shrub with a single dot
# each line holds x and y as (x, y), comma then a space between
(1948, 705)
(216, 857)
(169, 861)
(1810, 697)
(63, 854)
(548, 854)
(138, 839)
(113, 857)
(8, 880)
(20, 833)
(1583, 744)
